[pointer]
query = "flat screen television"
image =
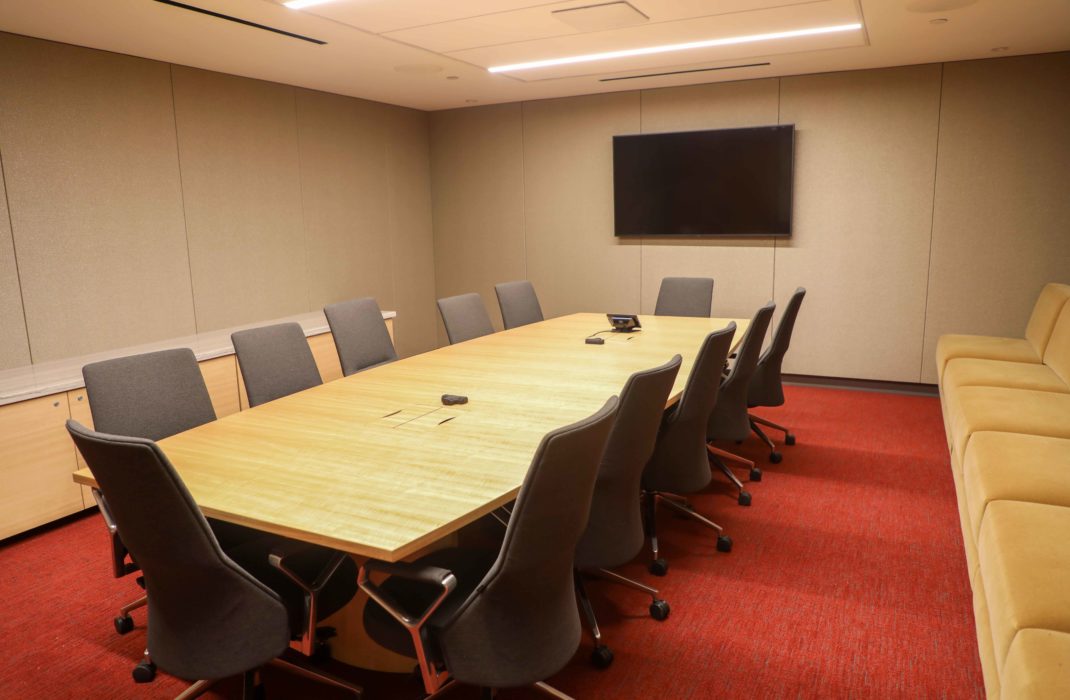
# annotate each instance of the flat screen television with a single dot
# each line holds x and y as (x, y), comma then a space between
(727, 182)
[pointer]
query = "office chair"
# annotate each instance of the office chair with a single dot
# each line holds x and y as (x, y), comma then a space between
(275, 361)
(679, 464)
(465, 317)
(615, 532)
(685, 296)
(360, 335)
(766, 387)
(518, 303)
(508, 618)
(152, 396)
(729, 419)
(210, 617)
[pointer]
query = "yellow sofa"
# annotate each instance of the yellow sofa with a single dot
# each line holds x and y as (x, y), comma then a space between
(1006, 405)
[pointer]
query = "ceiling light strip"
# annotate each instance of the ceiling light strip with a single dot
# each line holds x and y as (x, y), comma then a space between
(666, 48)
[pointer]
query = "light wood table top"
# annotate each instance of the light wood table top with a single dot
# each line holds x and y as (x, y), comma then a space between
(374, 465)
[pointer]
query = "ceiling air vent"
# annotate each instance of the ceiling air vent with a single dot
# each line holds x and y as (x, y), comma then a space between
(601, 17)
(681, 72)
(239, 20)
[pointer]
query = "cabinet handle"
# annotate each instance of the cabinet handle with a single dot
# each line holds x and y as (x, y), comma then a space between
(55, 404)
(80, 397)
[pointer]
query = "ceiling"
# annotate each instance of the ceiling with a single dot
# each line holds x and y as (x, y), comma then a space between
(434, 54)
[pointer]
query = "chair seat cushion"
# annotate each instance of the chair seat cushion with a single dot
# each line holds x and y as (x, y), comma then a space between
(968, 371)
(469, 566)
(1024, 554)
(985, 347)
(1037, 666)
(1015, 467)
(973, 409)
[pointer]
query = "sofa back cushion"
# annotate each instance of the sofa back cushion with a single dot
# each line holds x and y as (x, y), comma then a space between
(1049, 304)
(1057, 354)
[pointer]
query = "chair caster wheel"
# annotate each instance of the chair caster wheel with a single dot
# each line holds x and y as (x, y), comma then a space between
(775, 457)
(659, 610)
(144, 672)
(659, 567)
(789, 439)
(744, 498)
(724, 544)
(602, 657)
(123, 624)
(756, 474)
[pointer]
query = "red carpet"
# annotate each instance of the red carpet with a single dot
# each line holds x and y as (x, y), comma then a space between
(847, 579)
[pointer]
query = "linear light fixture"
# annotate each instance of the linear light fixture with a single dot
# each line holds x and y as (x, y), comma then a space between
(666, 48)
(301, 4)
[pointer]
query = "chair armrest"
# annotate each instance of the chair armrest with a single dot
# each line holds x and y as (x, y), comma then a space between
(434, 677)
(119, 566)
(278, 557)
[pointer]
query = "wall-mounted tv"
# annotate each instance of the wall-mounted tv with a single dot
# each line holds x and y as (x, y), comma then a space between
(727, 182)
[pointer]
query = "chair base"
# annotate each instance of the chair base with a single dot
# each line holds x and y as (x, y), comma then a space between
(789, 437)
(253, 690)
(717, 457)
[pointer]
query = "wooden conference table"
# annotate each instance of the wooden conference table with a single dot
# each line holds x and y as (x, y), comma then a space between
(374, 465)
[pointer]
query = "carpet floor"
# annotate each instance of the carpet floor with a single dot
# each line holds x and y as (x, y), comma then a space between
(847, 580)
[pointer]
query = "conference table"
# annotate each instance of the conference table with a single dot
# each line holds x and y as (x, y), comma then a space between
(374, 465)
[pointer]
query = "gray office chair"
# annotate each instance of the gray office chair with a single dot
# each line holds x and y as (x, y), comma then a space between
(685, 296)
(508, 618)
(766, 387)
(679, 465)
(465, 317)
(152, 396)
(275, 361)
(615, 532)
(518, 303)
(360, 335)
(210, 618)
(729, 419)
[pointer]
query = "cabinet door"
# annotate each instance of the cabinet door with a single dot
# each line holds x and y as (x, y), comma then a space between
(221, 377)
(326, 355)
(390, 330)
(79, 405)
(36, 463)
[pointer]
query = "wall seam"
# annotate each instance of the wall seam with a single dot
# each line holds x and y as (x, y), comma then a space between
(772, 291)
(932, 223)
(15, 257)
(182, 196)
(391, 232)
(642, 241)
(301, 199)
(524, 185)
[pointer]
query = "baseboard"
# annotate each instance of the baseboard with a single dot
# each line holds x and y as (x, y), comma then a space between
(886, 387)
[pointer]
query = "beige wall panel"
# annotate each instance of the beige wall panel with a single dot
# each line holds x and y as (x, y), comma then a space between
(238, 149)
(1001, 228)
(14, 348)
(742, 269)
(865, 155)
(88, 142)
(574, 260)
(477, 167)
(411, 233)
(344, 197)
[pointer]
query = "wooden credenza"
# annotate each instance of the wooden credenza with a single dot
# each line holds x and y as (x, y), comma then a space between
(37, 456)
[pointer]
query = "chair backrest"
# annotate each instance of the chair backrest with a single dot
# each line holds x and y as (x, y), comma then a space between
(465, 317)
(210, 618)
(360, 334)
(765, 388)
(275, 361)
(518, 303)
(614, 533)
(685, 296)
(1046, 311)
(729, 420)
(521, 624)
(679, 463)
(152, 396)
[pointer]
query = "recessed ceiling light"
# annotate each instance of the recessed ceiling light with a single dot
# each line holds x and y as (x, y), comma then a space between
(301, 4)
(453, 77)
(939, 20)
(471, 102)
(1000, 49)
(666, 48)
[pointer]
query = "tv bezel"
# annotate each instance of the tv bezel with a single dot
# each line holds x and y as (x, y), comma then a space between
(670, 236)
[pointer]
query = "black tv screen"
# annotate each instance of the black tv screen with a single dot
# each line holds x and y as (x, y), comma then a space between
(728, 182)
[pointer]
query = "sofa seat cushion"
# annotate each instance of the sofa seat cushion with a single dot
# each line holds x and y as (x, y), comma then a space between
(1014, 467)
(970, 371)
(1024, 555)
(973, 409)
(1037, 666)
(987, 347)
